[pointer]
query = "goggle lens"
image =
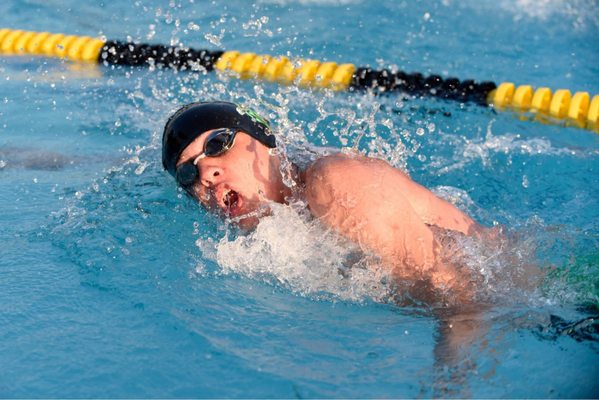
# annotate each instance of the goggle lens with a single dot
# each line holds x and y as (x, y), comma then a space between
(187, 173)
(218, 142)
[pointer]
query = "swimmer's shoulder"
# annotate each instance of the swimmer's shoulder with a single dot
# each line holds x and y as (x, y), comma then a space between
(326, 172)
(341, 166)
(338, 175)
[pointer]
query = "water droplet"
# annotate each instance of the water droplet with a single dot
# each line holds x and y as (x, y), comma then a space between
(193, 26)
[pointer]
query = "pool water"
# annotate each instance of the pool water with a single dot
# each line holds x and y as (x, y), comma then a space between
(114, 284)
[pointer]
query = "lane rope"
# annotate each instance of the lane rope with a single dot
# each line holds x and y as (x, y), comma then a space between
(577, 109)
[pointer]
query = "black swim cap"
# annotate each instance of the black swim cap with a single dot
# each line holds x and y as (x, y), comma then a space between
(190, 121)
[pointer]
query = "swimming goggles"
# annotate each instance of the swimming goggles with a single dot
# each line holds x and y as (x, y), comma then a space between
(218, 142)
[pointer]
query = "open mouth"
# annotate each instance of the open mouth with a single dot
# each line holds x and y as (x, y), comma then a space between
(231, 201)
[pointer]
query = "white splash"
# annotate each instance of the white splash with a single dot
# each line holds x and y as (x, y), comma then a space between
(290, 248)
(483, 149)
(458, 197)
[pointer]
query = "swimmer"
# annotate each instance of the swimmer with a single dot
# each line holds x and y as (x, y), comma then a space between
(223, 155)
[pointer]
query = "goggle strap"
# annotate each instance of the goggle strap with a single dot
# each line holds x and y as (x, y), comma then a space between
(198, 158)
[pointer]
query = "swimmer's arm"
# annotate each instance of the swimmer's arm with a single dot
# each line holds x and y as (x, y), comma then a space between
(458, 335)
(352, 196)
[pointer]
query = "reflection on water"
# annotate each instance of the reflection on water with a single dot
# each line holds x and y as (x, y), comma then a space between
(45, 70)
(31, 158)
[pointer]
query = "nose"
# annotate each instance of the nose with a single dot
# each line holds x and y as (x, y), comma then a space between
(210, 175)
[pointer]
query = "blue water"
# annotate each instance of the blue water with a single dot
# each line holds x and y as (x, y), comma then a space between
(113, 284)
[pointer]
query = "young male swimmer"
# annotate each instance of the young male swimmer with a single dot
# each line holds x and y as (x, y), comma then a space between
(221, 154)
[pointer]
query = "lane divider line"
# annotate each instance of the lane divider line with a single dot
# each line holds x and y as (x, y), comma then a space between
(542, 104)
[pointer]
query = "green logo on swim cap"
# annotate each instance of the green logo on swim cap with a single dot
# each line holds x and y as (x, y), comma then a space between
(253, 115)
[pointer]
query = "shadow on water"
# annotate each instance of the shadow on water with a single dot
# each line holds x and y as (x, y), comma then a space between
(34, 159)
(584, 329)
(37, 159)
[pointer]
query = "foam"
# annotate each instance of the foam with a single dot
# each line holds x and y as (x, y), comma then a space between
(291, 249)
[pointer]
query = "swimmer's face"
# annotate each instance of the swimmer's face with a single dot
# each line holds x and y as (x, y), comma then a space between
(241, 180)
